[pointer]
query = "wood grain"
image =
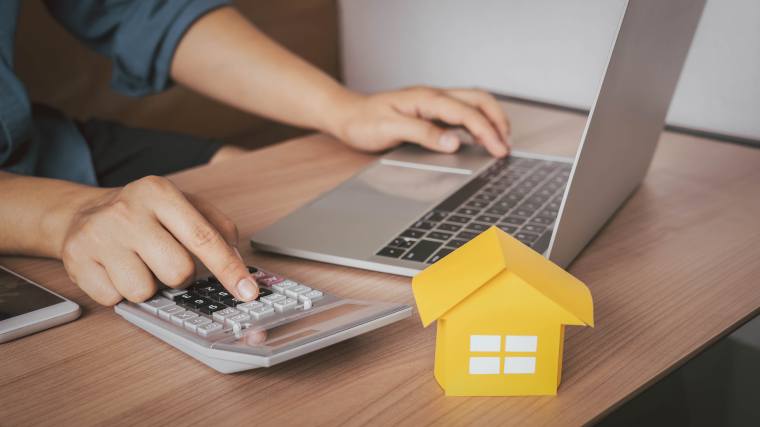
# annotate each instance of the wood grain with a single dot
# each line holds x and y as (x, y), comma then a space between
(676, 269)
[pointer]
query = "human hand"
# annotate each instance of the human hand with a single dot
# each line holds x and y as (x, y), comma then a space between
(123, 239)
(384, 120)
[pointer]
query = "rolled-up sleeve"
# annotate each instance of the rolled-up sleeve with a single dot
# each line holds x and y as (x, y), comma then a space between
(140, 36)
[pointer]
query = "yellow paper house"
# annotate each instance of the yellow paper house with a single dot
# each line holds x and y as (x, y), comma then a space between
(501, 310)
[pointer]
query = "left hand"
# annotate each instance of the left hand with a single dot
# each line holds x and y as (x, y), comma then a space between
(384, 120)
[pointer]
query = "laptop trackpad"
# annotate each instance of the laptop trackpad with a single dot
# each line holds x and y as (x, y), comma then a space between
(364, 213)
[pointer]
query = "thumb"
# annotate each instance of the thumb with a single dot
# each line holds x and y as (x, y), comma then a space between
(427, 134)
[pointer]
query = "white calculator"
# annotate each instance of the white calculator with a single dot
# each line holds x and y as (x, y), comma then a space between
(287, 320)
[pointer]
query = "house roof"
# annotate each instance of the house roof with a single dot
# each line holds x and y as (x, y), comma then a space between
(446, 283)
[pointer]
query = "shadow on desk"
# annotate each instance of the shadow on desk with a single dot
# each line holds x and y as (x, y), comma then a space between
(719, 387)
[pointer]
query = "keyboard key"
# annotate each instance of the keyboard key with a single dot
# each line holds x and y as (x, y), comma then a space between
(533, 228)
(487, 218)
(208, 329)
(167, 312)
(548, 213)
(414, 234)
(468, 211)
(440, 254)
(402, 242)
(423, 225)
(192, 324)
(207, 289)
(467, 235)
(538, 199)
(155, 304)
(435, 216)
(477, 227)
(179, 318)
(497, 211)
(455, 243)
(220, 296)
(542, 220)
(286, 305)
(525, 213)
(437, 235)
(477, 204)
(259, 313)
(199, 302)
(526, 237)
(391, 252)
(509, 229)
(513, 220)
(460, 219)
(422, 250)
(264, 291)
(449, 227)
(485, 197)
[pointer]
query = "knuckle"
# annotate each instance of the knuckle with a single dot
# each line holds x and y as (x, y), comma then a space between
(153, 184)
(180, 273)
(203, 235)
(141, 293)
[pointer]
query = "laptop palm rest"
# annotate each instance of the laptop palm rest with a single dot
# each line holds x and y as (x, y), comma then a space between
(358, 217)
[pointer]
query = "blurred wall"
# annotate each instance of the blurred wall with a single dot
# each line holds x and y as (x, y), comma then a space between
(59, 71)
(549, 50)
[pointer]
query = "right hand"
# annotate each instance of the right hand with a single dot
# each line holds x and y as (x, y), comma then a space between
(119, 242)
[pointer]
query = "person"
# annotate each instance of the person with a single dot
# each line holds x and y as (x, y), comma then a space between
(91, 196)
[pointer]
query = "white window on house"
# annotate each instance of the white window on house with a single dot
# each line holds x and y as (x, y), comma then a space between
(485, 364)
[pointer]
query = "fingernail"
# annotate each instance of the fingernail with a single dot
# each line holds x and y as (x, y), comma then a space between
(449, 141)
(247, 289)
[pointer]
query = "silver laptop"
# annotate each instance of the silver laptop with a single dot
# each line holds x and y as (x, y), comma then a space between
(412, 207)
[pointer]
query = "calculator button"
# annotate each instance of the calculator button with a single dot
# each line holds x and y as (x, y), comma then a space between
(270, 299)
(237, 320)
(208, 329)
(220, 296)
(261, 312)
(167, 312)
(280, 287)
(192, 324)
(171, 293)
(286, 305)
(183, 298)
(221, 315)
(211, 308)
(248, 306)
(311, 295)
(179, 318)
(155, 304)
(294, 292)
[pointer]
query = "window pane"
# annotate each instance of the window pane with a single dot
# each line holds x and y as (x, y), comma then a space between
(484, 365)
(526, 343)
(519, 365)
(485, 343)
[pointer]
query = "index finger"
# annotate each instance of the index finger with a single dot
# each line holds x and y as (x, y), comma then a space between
(192, 229)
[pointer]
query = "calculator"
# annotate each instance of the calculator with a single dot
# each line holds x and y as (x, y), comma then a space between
(287, 320)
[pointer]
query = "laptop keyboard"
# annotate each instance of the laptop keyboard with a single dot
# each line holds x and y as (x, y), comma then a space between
(519, 195)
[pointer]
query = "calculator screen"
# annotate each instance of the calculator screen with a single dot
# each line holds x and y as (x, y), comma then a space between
(17, 296)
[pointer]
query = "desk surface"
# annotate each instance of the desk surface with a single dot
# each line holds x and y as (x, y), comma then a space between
(676, 269)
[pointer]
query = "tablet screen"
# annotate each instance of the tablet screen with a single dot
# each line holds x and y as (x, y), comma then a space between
(18, 296)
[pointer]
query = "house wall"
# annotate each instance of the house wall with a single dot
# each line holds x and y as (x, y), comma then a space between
(504, 306)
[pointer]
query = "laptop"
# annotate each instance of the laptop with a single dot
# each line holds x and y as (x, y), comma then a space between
(412, 207)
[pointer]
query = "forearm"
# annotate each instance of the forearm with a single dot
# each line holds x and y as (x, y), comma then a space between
(35, 213)
(226, 58)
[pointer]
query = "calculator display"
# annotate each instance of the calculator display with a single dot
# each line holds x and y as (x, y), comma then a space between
(17, 296)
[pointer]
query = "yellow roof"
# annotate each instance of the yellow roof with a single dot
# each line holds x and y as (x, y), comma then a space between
(444, 284)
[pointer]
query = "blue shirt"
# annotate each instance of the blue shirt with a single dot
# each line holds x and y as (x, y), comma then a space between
(139, 36)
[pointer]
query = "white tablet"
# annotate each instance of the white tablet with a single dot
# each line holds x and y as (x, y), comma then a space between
(26, 307)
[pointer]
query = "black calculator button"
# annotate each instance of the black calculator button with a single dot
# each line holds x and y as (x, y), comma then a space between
(252, 269)
(185, 298)
(264, 292)
(211, 308)
(391, 252)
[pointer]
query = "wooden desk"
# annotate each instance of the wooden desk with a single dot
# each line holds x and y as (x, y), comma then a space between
(675, 270)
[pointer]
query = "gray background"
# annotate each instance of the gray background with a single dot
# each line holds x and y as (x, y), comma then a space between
(552, 51)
